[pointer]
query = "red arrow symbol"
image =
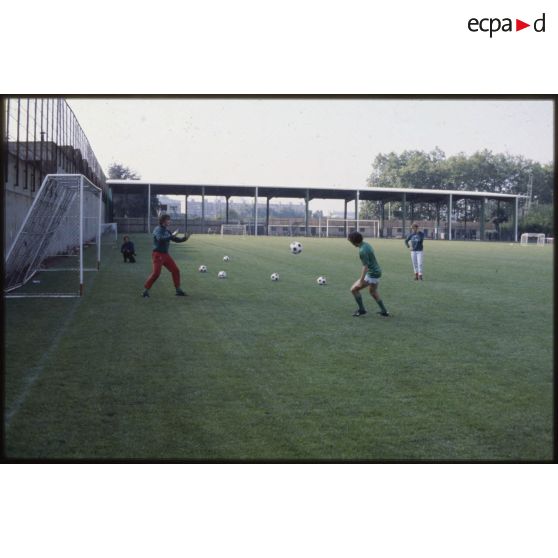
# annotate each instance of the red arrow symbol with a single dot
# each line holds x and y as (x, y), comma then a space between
(519, 25)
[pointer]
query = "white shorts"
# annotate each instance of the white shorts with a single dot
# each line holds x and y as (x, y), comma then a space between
(371, 280)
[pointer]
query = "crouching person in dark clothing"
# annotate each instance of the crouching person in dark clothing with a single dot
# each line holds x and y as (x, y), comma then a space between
(128, 250)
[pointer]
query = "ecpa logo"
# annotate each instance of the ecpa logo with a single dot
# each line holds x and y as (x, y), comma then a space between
(492, 25)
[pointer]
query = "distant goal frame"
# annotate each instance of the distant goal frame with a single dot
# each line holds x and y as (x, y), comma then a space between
(353, 224)
(234, 230)
(539, 237)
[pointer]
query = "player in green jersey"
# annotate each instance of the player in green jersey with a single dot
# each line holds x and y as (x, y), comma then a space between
(369, 277)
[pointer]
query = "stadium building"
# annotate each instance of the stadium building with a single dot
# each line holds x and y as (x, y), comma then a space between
(131, 199)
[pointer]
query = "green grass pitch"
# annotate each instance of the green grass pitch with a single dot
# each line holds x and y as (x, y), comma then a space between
(246, 369)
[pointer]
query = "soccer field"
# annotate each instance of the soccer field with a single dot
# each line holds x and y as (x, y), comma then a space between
(246, 369)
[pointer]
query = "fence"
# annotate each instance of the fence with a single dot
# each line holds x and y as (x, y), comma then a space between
(41, 136)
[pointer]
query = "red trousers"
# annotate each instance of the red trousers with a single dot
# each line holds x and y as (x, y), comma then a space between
(160, 260)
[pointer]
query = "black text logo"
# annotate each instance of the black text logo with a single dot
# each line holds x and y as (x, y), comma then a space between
(493, 25)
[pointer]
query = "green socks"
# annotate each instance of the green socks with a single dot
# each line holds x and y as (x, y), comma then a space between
(358, 299)
(381, 305)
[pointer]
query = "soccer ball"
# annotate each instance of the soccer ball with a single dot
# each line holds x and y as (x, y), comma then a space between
(296, 247)
(226, 258)
(202, 269)
(321, 280)
(222, 275)
(275, 276)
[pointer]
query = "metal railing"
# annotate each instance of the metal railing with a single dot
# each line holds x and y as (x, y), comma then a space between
(43, 136)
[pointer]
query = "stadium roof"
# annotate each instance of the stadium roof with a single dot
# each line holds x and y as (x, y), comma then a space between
(323, 192)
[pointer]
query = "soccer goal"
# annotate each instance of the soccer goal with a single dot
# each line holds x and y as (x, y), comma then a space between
(342, 227)
(234, 229)
(532, 239)
(280, 230)
(60, 233)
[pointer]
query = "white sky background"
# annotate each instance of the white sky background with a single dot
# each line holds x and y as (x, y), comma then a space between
(301, 142)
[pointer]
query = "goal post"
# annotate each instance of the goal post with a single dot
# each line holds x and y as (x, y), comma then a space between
(369, 228)
(61, 232)
(239, 230)
(530, 239)
(109, 233)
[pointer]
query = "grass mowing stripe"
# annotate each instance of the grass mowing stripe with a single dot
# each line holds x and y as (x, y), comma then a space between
(30, 376)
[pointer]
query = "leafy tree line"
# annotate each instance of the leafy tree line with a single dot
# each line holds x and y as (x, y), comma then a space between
(483, 171)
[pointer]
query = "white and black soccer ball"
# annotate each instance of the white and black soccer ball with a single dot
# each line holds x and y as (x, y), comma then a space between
(202, 269)
(296, 247)
(275, 276)
(321, 280)
(222, 275)
(226, 258)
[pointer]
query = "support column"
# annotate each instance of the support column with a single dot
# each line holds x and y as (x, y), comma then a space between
(515, 213)
(81, 224)
(481, 228)
(185, 212)
(403, 213)
(267, 216)
(203, 210)
(382, 218)
(357, 201)
(227, 210)
(345, 218)
(148, 208)
(256, 213)
(99, 229)
(437, 220)
(450, 212)
(307, 204)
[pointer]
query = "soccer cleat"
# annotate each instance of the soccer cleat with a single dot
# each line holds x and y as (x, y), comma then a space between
(359, 313)
(384, 314)
(180, 292)
(420, 276)
(416, 276)
(145, 294)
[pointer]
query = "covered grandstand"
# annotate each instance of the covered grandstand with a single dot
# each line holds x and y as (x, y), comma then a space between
(442, 201)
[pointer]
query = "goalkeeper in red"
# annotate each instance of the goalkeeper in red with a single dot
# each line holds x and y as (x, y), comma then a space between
(160, 256)
(369, 277)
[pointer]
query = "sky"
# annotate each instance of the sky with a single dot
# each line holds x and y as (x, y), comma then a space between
(301, 142)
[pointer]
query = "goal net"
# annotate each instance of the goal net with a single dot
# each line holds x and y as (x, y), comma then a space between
(342, 227)
(234, 229)
(532, 238)
(109, 233)
(280, 230)
(61, 232)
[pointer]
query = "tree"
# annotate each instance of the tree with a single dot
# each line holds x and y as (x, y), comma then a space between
(117, 171)
(482, 171)
(539, 220)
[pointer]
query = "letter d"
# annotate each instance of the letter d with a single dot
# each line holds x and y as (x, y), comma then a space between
(535, 25)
